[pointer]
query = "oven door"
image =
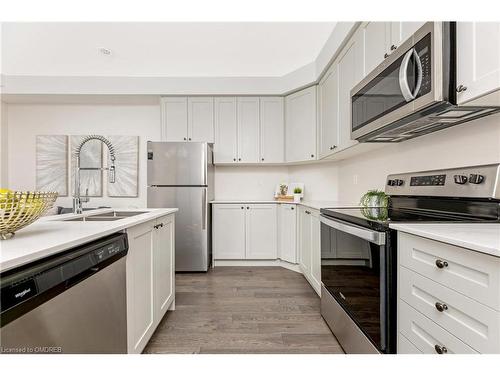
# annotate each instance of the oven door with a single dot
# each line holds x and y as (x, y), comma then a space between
(354, 265)
(409, 80)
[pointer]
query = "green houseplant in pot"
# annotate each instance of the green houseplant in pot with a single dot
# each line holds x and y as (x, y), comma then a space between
(297, 194)
(374, 205)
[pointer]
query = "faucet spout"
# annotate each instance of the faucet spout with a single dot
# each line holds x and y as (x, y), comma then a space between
(77, 200)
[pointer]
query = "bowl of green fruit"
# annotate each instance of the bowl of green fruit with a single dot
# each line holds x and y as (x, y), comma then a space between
(21, 208)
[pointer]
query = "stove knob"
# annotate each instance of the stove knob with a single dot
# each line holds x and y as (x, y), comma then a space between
(476, 178)
(460, 179)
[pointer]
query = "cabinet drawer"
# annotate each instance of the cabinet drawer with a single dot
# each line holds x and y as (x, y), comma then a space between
(405, 346)
(426, 335)
(475, 324)
(473, 274)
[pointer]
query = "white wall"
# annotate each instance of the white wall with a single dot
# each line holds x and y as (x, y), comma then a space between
(27, 121)
(320, 180)
(3, 145)
(472, 143)
(248, 182)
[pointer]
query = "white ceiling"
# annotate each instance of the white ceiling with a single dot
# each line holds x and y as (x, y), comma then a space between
(161, 49)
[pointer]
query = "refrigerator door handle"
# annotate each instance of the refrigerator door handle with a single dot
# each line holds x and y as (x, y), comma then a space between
(204, 210)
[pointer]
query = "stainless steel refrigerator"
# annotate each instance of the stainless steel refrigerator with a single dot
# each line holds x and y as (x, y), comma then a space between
(181, 175)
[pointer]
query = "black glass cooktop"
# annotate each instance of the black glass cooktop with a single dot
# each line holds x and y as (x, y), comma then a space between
(378, 218)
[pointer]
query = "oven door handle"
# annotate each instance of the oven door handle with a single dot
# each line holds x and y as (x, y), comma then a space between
(403, 76)
(375, 237)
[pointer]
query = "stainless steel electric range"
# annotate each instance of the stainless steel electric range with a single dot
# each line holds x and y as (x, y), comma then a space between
(359, 249)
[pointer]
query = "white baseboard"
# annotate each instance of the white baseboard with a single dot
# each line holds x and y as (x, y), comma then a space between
(258, 263)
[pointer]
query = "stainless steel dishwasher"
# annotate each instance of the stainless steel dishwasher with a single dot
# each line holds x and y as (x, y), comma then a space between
(73, 302)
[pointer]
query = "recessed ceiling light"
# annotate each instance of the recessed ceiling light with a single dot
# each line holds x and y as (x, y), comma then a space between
(104, 51)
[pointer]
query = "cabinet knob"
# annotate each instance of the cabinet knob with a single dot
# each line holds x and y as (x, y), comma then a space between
(386, 55)
(189, 138)
(262, 159)
(248, 208)
(292, 208)
(461, 88)
(441, 306)
(440, 349)
(393, 47)
(441, 263)
(312, 155)
(184, 138)
(242, 207)
(333, 147)
(234, 159)
(239, 159)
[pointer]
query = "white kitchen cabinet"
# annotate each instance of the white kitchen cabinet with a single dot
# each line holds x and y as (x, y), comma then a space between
(376, 43)
(200, 119)
(226, 130)
(245, 231)
(350, 73)
(272, 130)
(401, 31)
(478, 60)
(164, 266)
(261, 231)
(174, 111)
(300, 125)
(140, 299)
(187, 119)
(328, 121)
(310, 246)
(315, 251)
(229, 231)
(150, 278)
(248, 129)
(288, 233)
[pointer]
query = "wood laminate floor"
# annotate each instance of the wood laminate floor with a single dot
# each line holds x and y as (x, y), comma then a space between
(244, 310)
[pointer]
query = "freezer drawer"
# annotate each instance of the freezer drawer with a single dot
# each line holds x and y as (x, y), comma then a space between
(192, 227)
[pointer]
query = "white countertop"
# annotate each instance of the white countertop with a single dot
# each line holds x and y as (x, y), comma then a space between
(311, 204)
(482, 237)
(50, 234)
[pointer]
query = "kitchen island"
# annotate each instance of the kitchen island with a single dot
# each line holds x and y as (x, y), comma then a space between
(150, 261)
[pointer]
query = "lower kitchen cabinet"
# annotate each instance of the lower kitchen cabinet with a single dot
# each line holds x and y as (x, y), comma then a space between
(447, 298)
(310, 246)
(245, 231)
(288, 233)
(150, 279)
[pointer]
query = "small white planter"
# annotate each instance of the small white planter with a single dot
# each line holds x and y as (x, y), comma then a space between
(296, 198)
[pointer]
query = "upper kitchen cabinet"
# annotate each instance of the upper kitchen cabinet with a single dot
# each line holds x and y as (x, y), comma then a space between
(401, 31)
(201, 119)
(248, 129)
(187, 119)
(174, 114)
(272, 130)
(377, 41)
(478, 60)
(226, 130)
(328, 112)
(300, 122)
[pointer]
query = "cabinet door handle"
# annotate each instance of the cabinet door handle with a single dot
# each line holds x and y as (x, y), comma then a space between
(393, 47)
(441, 263)
(440, 349)
(386, 55)
(461, 88)
(308, 212)
(441, 306)
(333, 147)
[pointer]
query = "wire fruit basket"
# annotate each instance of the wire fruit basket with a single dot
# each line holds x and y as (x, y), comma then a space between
(21, 208)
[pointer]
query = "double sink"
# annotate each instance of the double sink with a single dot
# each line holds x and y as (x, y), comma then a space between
(108, 216)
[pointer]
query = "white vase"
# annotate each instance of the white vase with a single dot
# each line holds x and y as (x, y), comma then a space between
(296, 198)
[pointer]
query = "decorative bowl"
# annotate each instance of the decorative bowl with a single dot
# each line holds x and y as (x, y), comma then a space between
(21, 208)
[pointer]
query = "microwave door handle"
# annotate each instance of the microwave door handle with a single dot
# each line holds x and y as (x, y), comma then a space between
(403, 77)
(375, 237)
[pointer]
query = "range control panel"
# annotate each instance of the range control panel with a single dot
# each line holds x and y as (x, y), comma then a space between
(474, 182)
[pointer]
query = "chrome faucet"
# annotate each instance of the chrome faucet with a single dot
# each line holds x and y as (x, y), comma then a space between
(77, 199)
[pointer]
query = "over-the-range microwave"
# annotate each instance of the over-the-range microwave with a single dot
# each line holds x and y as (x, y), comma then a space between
(413, 91)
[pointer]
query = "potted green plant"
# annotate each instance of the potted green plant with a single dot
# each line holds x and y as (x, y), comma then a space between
(297, 194)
